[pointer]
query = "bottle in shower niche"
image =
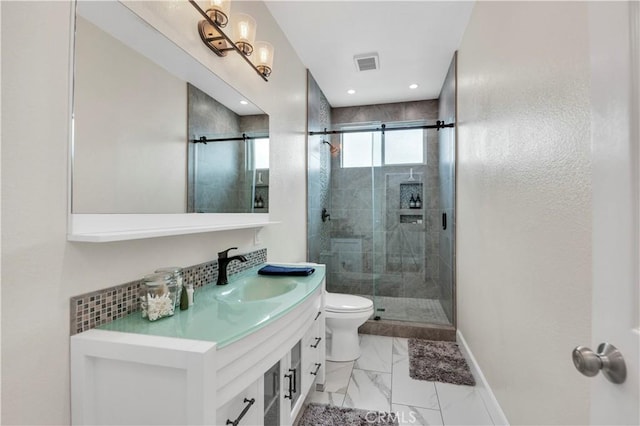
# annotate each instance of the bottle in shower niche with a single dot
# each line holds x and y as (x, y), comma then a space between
(412, 202)
(418, 202)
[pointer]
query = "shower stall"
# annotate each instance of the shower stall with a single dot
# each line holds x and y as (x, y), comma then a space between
(381, 182)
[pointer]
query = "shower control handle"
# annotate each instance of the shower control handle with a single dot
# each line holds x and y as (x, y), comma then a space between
(608, 359)
(325, 215)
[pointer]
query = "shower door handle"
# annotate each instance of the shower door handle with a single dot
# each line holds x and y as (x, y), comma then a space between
(444, 221)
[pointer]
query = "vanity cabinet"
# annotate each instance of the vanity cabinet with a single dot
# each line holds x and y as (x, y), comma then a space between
(272, 395)
(128, 378)
(313, 351)
(243, 409)
(293, 376)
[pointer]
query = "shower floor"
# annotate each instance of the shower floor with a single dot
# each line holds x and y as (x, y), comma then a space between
(410, 309)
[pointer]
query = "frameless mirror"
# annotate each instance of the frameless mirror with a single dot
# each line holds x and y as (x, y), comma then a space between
(154, 131)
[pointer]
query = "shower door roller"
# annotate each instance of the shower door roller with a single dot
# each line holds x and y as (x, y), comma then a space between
(608, 359)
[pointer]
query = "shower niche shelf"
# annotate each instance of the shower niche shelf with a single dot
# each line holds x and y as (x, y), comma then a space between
(414, 219)
(408, 190)
(411, 215)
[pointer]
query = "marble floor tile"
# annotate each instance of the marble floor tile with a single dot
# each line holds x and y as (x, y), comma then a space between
(462, 405)
(416, 416)
(331, 398)
(337, 376)
(369, 390)
(408, 391)
(400, 349)
(375, 353)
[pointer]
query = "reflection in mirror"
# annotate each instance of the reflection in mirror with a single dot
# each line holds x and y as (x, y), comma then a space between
(228, 158)
(135, 117)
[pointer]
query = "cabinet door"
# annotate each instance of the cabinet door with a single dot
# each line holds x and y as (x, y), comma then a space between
(272, 396)
(293, 375)
(242, 409)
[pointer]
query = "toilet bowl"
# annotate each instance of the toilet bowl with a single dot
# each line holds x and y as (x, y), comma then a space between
(344, 314)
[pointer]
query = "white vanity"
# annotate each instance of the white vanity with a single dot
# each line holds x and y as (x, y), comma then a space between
(238, 356)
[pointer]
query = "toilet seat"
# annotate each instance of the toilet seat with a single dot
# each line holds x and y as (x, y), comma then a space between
(347, 303)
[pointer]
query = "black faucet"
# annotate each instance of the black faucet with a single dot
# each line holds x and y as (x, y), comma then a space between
(223, 262)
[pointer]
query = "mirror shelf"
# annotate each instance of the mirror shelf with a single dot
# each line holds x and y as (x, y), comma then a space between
(102, 228)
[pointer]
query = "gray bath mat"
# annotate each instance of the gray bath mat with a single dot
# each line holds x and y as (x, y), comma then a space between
(330, 415)
(437, 361)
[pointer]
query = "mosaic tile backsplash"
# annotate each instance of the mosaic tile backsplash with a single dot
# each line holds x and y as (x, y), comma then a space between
(90, 310)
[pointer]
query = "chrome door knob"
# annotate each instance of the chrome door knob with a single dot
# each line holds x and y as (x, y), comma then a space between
(608, 359)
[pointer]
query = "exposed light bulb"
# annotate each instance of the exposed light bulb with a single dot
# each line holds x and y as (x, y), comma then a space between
(264, 54)
(244, 29)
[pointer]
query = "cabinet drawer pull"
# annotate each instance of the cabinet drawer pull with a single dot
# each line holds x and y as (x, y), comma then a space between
(313, 373)
(292, 383)
(249, 403)
(318, 315)
(318, 339)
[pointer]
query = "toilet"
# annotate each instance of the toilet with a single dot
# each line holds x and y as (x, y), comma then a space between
(344, 314)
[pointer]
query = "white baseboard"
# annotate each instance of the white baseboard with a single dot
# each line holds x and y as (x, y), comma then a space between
(490, 401)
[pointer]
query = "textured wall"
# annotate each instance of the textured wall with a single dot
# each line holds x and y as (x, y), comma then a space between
(523, 204)
(40, 269)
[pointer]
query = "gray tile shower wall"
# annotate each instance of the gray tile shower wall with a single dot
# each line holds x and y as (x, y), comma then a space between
(447, 172)
(223, 188)
(319, 174)
(215, 187)
(90, 310)
(375, 237)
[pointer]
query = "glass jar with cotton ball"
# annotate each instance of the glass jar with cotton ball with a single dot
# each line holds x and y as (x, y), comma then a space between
(158, 296)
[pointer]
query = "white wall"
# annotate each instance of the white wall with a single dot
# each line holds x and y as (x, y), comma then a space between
(130, 129)
(524, 194)
(40, 269)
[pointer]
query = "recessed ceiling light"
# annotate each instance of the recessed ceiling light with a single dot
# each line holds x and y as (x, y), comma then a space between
(244, 102)
(351, 91)
(413, 86)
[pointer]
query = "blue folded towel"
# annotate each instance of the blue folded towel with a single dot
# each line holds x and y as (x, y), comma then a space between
(286, 270)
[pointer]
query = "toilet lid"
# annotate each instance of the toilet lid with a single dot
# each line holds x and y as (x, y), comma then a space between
(338, 302)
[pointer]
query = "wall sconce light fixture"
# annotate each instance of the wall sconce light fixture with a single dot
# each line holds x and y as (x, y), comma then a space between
(243, 28)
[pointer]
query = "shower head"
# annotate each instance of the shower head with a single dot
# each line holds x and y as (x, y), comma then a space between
(333, 149)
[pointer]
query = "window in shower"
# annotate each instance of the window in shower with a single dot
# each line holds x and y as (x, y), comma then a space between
(404, 147)
(261, 153)
(362, 149)
(374, 149)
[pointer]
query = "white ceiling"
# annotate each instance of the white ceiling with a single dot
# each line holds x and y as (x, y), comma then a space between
(415, 41)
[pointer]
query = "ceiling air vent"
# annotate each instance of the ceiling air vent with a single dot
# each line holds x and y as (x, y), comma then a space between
(367, 62)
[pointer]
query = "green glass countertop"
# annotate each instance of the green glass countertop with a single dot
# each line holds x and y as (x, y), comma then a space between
(222, 314)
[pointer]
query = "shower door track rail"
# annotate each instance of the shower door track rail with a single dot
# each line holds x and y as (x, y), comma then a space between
(383, 128)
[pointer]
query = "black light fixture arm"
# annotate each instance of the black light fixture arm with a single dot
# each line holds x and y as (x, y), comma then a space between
(231, 43)
(383, 128)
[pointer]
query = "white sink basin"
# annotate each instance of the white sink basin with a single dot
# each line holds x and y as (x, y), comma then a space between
(257, 288)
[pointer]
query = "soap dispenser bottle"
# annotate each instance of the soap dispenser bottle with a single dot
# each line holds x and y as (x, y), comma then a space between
(418, 202)
(412, 202)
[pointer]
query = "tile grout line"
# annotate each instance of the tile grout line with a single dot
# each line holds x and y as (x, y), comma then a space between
(439, 405)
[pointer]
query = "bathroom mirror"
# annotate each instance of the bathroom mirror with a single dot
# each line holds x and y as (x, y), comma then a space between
(141, 107)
